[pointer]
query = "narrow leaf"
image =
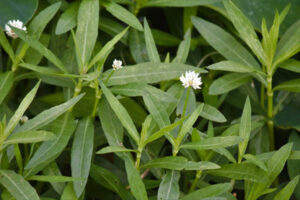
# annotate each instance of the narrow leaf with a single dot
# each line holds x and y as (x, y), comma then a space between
(170, 162)
(81, 154)
(30, 137)
(169, 186)
(17, 186)
(6, 82)
(150, 44)
(113, 149)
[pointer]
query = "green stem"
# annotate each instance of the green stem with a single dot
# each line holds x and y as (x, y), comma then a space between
(107, 79)
(138, 159)
(178, 140)
(194, 184)
(270, 112)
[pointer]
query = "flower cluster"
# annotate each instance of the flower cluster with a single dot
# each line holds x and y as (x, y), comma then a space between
(190, 78)
(117, 64)
(15, 23)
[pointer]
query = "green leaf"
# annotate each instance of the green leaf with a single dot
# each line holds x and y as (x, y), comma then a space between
(148, 73)
(121, 113)
(226, 153)
(156, 109)
(293, 166)
(17, 186)
(183, 49)
(10, 9)
(291, 86)
(287, 191)
(291, 65)
(112, 149)
(150, 44)
(232, 66)
(29, 137)
(101, 55)
(202, 165)
(48, 116)
(68, 193)
(211, 113)
(41, 20)
(169, 186)
(224, 43)
(163, 131)
(289, 43)
(178, 3)
(87, 29)
(68, 20)
(244, 171)
(169, 162)
(110, 181)
(256, 161)
(209, 191)
(39, 47)
(212, 143)
(137, 46)
(6, 82)
(6, 46)
(111, 125)
(245, 128)
(123, 14)
(245, 29)
(64, 127)
(53, 179)
(53, 170)
(137, 186)
(81, 154)
(188, 124)
(14, 120)
(228, 82)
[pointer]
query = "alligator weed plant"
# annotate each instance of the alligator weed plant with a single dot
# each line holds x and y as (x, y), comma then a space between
(103, 100)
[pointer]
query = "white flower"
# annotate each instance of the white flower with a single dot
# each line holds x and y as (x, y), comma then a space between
(191, 79)
(117, 64)
(15, 23)
(24, 119)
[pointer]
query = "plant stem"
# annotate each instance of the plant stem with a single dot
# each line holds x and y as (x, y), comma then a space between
(270, 111)
(178, 140)
(194, 184)
(138, 159)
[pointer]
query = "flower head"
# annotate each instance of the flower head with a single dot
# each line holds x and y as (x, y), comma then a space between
(15, 23)
(117, 64)
(190, 78)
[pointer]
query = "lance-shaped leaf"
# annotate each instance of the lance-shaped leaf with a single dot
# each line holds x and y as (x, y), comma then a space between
(137, 186)
(123, 15)
(48, 116)
(53, 179)
(169, 186)
(39, 47)
(150, 44)
(224, 43)
(212, 143)
(244, 171)
(245, 29)
(211, 113)
(121, 113)
(30, 137)
(87, 29)
(232, 66)
(110, 181)
(6, 46)
(6, 82)
(68, 19)
(287, 191)
(228, 82)
(245, 128)
(113, 149)
(17, 186)
(209, 191)
(14, 120)
(101, 55)
(183, 49)
(291, 86)
(63, 127)
(81, 154)
(148, 73)
(202, 165)
(169, 162)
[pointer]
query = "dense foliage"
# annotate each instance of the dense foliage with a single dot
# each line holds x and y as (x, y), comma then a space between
(149, 99)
